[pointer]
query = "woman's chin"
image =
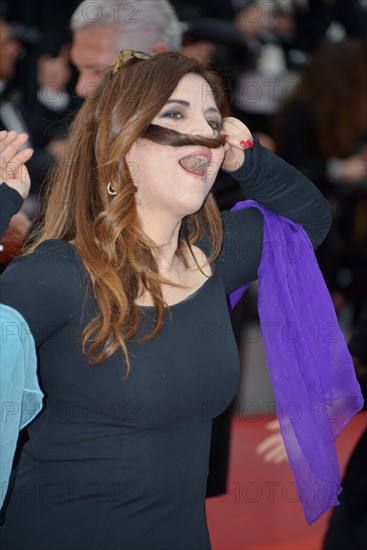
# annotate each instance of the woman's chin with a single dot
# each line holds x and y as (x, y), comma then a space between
(193, 205)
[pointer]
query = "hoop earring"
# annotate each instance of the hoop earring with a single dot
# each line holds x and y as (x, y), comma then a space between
(110, 189)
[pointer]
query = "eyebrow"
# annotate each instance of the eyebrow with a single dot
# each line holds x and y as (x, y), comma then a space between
(187, 104)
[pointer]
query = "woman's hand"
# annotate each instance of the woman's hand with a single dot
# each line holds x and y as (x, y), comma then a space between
(272, 447)
(238, 138)
(13, 171)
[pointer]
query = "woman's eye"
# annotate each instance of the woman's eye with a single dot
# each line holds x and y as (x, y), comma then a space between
(216, 125)
(175, 115)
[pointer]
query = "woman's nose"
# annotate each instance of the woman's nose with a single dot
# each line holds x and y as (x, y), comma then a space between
(201, 127)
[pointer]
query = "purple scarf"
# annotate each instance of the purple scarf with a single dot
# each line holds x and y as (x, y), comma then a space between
(310, 368)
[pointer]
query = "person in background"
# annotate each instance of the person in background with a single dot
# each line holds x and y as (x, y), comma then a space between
(15, 115)
(322, 131)
(348, 522)
(98, 36)
(258, 88)
(45, 78)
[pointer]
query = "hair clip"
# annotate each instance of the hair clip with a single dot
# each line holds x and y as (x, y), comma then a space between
(132, 53)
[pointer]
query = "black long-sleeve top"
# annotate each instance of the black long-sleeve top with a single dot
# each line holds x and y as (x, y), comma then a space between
(128, 457)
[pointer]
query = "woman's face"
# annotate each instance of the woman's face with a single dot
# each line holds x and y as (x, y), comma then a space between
(174, 181)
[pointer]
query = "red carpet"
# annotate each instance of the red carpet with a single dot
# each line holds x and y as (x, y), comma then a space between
(261, 510)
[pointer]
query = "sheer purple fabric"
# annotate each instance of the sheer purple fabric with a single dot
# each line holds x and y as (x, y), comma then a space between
(310, 368)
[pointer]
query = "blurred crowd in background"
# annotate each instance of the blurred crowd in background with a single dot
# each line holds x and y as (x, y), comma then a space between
(296, 76)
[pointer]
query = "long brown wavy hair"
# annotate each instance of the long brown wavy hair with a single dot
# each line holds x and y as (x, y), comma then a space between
(105, 229)
(335, 87)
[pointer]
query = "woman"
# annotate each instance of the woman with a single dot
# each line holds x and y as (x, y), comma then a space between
(123, 296)
(322, 128)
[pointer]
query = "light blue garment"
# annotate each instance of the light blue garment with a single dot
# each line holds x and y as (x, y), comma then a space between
(20, 394)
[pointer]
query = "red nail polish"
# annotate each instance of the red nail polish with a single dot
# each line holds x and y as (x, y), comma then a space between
(244, 144)
(250, 142)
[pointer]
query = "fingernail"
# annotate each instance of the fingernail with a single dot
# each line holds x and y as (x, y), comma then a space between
(250, 142)
(244, 144)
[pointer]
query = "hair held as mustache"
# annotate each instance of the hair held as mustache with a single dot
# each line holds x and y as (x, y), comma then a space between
(165, 136)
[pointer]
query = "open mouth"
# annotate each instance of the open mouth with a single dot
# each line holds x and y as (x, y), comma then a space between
(196, 164)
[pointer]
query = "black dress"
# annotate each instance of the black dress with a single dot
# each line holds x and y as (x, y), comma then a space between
(117, 463)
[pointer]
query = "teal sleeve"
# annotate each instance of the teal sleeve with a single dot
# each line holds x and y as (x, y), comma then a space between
(21, 396)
